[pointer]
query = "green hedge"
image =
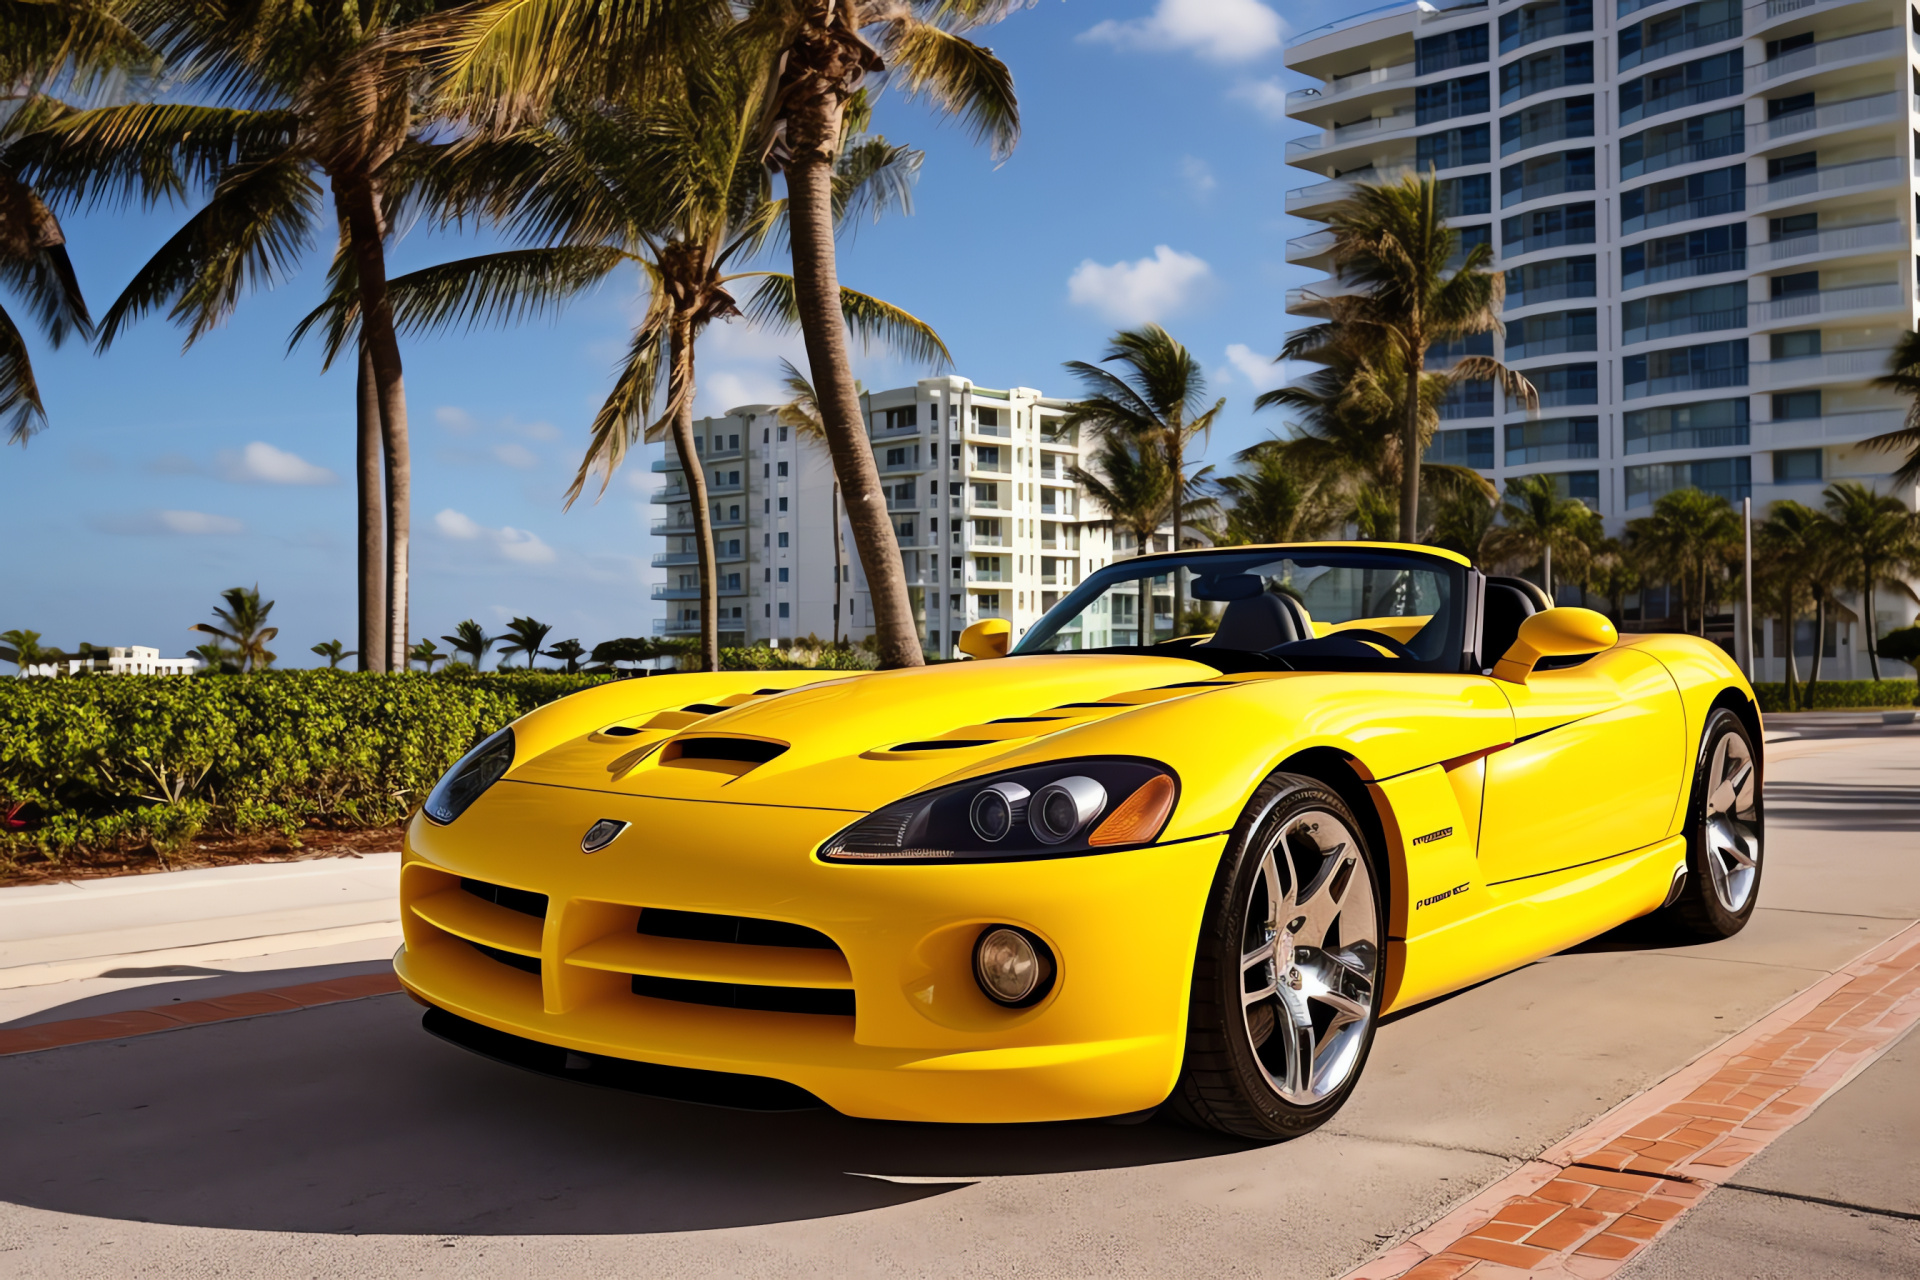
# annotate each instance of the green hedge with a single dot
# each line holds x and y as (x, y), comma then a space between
(1839, 695)
(120, 761)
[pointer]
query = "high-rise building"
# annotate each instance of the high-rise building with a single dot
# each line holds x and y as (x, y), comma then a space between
(979, 489)
(1706, 216)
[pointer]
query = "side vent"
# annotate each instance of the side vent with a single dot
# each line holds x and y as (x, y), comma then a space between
(942, 744)
(719, 755)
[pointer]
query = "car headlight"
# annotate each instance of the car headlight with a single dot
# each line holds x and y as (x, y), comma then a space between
(477, 770)
(1060, 809)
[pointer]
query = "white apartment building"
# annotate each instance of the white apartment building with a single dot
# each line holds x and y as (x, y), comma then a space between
(1706, 215)
(989, 521)
(130, 660)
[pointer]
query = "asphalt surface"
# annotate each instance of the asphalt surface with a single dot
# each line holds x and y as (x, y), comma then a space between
(343, 1141)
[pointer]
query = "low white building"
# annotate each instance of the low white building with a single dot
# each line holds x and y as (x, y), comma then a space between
(130, 660)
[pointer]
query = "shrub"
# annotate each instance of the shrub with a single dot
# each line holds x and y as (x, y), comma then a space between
(1838, 695)
(121, 761)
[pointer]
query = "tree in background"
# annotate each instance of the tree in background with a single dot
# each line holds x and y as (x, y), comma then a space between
(468, 638)
(1691, 539)
(1156, 403)
(812, 60)
(1876, 540)
(269, 101)
(244, 628)
(1461, 522)
(1793, 554)
(1275, 498)
(334, 652)
(23, 649)
(1613, 573)
(426, 653)
(1129, 477)
(1535, 522)
(1903, 376)
(1393, 242)
(569, 652)
(524, 636)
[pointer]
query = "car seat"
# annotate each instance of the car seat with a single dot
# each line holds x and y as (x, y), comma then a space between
(1258, 623)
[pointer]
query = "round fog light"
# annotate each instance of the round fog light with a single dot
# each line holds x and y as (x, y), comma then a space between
(1012, 966)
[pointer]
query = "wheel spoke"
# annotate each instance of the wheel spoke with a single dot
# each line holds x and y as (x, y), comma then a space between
(1297, 1027)
(1320, 904)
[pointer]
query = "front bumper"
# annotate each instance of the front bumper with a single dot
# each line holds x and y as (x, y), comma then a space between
(922, 1044)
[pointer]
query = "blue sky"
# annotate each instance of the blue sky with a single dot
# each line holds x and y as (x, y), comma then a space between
(1148, 185)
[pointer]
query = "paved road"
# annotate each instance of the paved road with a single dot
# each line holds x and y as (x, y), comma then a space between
(342, 1141)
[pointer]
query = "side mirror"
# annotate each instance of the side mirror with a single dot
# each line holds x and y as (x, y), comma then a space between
(987, 638)
(1554, 633)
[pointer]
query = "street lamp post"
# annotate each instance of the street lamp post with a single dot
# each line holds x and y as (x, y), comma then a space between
(1746, 530)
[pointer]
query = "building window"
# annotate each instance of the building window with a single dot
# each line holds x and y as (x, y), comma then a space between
(783, 540)
(783, 575)
(1466, 96)
(1553, 439)
(1729, 478)
(786, 610)
(1797, 466)
(781, 469)
(783, 505)
(1454, 49)
(905, 416)
(1711, 424)
(733, 546)
(1789, 406)
(1454, 148)
(1466, 196)
(1467, 447)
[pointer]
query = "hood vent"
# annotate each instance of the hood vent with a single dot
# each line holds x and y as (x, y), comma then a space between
(734, 756)
(942, 744)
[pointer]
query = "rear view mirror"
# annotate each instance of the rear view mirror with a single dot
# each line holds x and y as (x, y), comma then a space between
(1554, 633)
(987, 638)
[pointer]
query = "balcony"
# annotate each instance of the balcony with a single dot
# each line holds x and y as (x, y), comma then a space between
(1534, 32)
(1308, 250)
(1680, 326)
(1344, 88)
(1301, 150)
(1871, 236)
(663, 465)
(904, 468)
(670, 494)
(1884, 43)
(671, 528)
(998, 432)
(1692, 95)
(1832, 366)
(1558, 185)
(1833, 115)
(666, 559)
(1859, 175)
(1517, 298)
(1831, 303)
(1836, 428)
(975, 467)
(1319, 197)
(1706, 264)
(1698, 38)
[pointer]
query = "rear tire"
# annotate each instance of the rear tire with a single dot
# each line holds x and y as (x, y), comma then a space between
(1725, 834)
(1287, 976)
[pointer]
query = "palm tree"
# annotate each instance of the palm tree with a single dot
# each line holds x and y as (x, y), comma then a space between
(569, 652)
(334, 652)
(1461, 522)
(427, 653)
(79, 45)
(802, 413)
(1274, 498)
(1876, 539)
(669, 190)
(1394, 243)
(1614, 573)
(1536, 521)
(1157, 402)
(812, 60)
(468, 638)
(1690, 539)
(282, 99)
(526, 636)
(1903, 376)
(1131, 480)
(23, 649)
(246, 629)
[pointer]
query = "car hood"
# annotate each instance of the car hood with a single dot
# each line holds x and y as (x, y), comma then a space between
(854, 743)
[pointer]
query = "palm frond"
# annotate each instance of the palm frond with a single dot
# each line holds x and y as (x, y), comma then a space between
(34, 262)
(148, 151)
(959, 77)
(259, 221)
(873, 177)
(622, 419)
(22, 412)
(874, 322)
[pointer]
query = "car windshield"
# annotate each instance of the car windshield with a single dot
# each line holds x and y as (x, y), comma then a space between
(1302, 608)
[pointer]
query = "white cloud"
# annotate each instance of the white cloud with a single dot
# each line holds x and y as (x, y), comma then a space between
(534, 430)
(261, 463)
(1220, 30)
(1198, 175)
(517, 545)
(1268, 97)
(1148, 289)
(184, 523)
(454, 419)
(1265, 374)
(517, 456)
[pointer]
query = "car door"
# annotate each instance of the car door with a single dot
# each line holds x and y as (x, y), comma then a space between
(1595, 767)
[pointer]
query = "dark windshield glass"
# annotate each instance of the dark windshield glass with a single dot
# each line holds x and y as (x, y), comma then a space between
(1303, 608)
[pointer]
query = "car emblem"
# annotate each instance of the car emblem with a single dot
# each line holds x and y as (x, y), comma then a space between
(601, 834)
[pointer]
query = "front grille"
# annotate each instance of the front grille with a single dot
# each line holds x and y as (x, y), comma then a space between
(698, 926)
(526, 964)
(524, 901)
(736, 995)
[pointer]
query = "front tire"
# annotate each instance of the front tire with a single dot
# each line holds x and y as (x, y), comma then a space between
(1287, 975)
(1725, 834)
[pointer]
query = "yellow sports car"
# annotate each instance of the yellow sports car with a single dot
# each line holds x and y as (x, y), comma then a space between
(1212, 817)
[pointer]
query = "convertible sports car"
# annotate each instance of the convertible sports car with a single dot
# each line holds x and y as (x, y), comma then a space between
(1213, 816)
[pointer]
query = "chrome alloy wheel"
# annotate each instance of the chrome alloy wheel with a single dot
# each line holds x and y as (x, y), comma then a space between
(1309, 965)
(1730, 836)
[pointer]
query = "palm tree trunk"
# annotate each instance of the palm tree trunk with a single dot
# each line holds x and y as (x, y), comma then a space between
(1872, 641)
(1177, 448)
(1546, 552)
(680, 394)
(372, 537)
(1819, 643)
(1793, 659)
(839, 563)
(813, 132)
(1410, 449)
(365, 229)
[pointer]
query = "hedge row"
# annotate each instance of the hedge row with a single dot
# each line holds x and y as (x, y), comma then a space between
(120, 761)
(1839, 695)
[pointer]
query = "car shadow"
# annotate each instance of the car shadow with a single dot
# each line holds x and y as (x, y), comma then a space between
(350, 1118)
(1843, 807)
(195, 982)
